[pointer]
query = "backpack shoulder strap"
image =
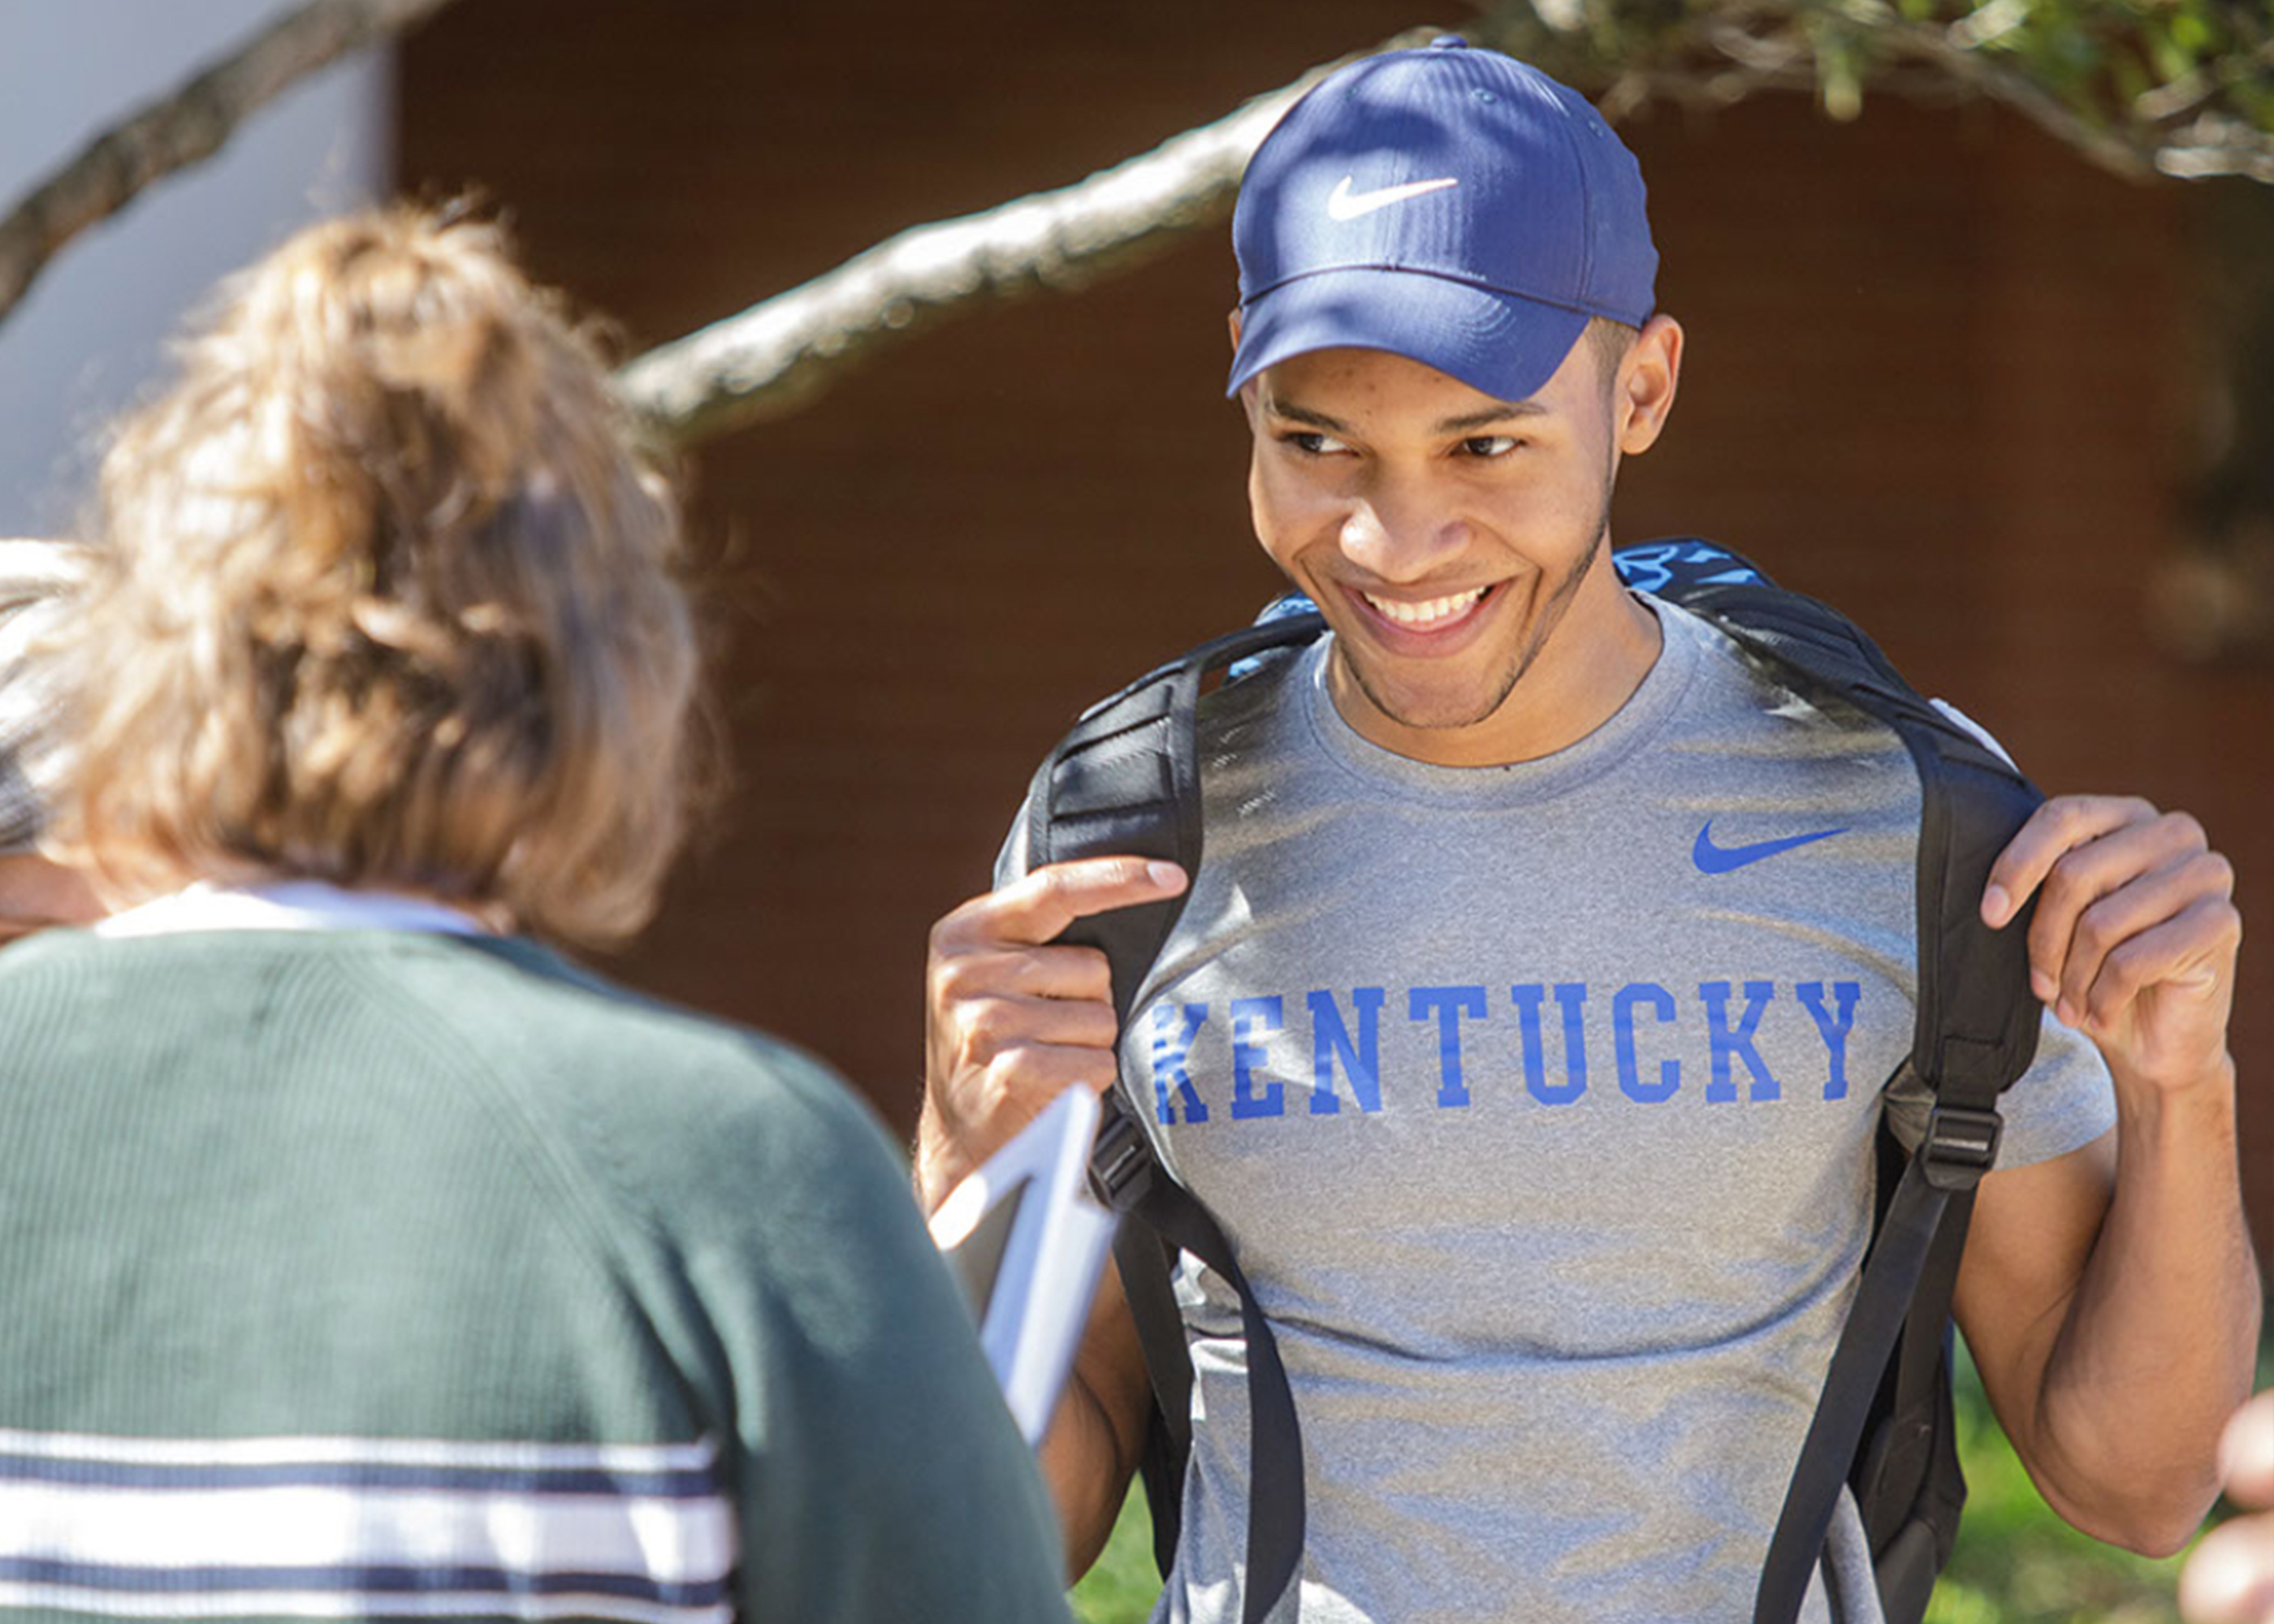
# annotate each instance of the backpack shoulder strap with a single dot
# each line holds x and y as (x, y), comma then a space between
(1972, 1036)
(1975, 1033)
(1125, 782)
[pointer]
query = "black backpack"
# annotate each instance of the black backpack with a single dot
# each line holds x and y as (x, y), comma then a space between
(1126, 781)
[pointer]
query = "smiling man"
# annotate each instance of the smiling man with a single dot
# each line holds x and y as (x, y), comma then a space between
(1524, 1029)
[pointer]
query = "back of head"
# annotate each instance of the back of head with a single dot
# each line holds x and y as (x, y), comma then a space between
(384, 596)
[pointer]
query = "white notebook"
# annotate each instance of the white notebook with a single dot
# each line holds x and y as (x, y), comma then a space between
(1027, 1239)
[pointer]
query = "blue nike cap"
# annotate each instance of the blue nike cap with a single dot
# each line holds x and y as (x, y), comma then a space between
(1451, 204)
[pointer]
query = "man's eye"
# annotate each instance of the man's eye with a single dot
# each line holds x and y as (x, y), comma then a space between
(1314, 444)
(1489, 444)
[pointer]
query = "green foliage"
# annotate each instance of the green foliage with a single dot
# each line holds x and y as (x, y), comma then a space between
(2183, 86)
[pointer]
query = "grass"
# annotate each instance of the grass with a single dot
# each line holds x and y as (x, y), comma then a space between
(2015, 1563)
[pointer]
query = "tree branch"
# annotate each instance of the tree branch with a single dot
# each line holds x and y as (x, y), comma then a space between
(2213, 146)
(187, 127)
(2105, 147)
(773, 356)
(1714, 54)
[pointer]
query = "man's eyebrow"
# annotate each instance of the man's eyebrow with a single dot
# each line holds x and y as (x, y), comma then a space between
(1467, 422)
(1499, 411)
(1294, 413)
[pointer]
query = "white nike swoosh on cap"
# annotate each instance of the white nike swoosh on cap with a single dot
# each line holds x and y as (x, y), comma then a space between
(1347, 205)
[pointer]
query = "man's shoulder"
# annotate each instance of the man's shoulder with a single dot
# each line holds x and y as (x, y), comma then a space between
(1241, 714)
(1742, 689)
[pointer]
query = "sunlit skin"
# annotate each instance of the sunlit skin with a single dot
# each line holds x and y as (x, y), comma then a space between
(1381, 485)
(35, 894)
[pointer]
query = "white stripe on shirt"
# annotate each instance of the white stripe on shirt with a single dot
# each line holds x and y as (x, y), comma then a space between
(349, 1605)
(331, 1527)
(672, 1541)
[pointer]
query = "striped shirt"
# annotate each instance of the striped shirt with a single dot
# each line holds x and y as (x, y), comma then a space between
(364, 1274)
(364, 1528)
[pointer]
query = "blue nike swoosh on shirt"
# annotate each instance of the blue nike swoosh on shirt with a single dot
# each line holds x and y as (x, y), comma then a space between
(1711, 858)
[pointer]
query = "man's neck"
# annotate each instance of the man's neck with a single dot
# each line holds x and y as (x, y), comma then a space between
(1591, 664)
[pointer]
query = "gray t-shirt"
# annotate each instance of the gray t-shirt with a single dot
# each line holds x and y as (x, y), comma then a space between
(1540, 1102)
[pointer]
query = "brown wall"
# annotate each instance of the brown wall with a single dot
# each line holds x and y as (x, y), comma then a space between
(1939, 372)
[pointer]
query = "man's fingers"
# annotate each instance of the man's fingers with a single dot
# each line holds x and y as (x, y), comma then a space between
(990, 1027)
(1012, 1019)
(2184, 954)
(1020, 1080)
(1024, 971)
(2121, 919)
(2082, 875)
(2057, 827)
(1036, 908)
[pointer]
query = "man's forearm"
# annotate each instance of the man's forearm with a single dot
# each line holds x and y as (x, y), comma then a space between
(2159, 1341)
(1080, 1462)
(1097, 1433)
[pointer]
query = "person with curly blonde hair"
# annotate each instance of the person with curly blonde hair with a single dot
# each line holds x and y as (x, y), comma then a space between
(386, 599)
(365, 1257)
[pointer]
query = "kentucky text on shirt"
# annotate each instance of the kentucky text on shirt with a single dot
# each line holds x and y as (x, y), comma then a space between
(1654, 1043)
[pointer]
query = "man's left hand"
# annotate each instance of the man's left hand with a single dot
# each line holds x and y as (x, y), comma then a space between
(2135, 938)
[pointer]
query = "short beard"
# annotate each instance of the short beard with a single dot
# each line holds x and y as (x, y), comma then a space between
(1549, 617)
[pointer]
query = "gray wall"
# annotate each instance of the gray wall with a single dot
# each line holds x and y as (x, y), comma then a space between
(91, 330)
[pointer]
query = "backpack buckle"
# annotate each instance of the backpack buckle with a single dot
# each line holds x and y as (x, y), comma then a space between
(1961, 1146)
(1121, 1163)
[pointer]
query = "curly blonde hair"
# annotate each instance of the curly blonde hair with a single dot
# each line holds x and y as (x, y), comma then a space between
(385, 596)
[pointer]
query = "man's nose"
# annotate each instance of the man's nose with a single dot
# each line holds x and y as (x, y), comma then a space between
(1395, 531)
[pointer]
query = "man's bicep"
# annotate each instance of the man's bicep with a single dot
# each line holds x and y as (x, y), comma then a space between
(2033, 1231)
(2036, 1219)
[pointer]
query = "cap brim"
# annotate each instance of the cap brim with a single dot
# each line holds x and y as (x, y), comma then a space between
(1499, 343)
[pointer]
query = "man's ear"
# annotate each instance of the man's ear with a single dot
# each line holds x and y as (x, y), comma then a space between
(1642, 397)
(1233, 321)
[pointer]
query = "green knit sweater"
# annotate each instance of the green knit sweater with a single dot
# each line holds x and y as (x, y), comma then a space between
(364, 1274)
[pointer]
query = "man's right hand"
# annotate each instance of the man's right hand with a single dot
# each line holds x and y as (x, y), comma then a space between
(1012, 1020)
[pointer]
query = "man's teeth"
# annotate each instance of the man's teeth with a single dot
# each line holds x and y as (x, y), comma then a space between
(1428, 611)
